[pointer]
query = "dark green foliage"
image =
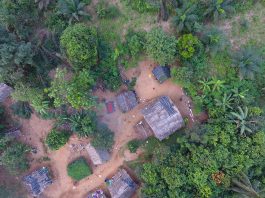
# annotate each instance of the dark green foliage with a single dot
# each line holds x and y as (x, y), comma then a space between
(20, 15)
(55, 22)
(160, 46)
(103, 137)
(248, 61)
(13, 155)
(217, 9)
(186, 19)
(22, 109)
(107, 11)
(73, 10)
(78, 169)
(214, 40)
(56, 139)
(142, 5)
(80, 43)
(187, 170)
(133, 145)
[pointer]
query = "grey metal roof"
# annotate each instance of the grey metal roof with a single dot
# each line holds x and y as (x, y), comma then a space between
(5, 91)
(162, 73)
(122, 185)
(127, 101)
(163, 117)
(97, 194)
(38, 181)
(97, 156)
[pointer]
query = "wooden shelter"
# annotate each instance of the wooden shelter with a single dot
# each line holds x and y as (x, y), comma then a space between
(96, 155)
(126, 101)
(161, 73)
(13, 133)
(163, 117)
(37, 181)
(5, 91)
(121, 185)
(143, 129)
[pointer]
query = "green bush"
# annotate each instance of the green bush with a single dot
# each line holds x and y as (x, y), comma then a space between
(133, 145)
(106, 11)
(78, 169)
(141, 5)
(22, 109)
(103, 137)
(187, 45)
(160, 46)
(56, 139)
(80, 43)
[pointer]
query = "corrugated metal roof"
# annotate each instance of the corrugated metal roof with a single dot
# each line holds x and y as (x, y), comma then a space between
(163, 117)
(122, 185)
(162, 73)
(127, 101)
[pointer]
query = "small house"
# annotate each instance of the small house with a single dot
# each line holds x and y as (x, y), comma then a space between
(13, 133)
(5, 91)
(161, 73)
(97, 194)
(163, 117)
(37, 181)
(126, 101)
(121, 185)
(96, 155)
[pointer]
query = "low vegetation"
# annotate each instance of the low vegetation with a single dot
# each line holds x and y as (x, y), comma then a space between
(78, 169)
(56, 139)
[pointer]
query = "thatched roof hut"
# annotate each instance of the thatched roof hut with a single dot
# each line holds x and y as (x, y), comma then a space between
(163, 117)
(96, 155)
(161, 73)
(121, 185)
(127, 101)
(5, 91)
(97, 194)
(37, 181)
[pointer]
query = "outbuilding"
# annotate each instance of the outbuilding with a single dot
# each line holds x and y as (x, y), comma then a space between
(37, 181)
(96, 155)
(121, 185)
(161, 73)
(126, 101)
(163, 117)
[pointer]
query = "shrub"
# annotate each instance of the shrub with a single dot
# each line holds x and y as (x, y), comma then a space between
(78, 169)
(160, 46)
(103, 137)
(133, 145)
(22, 109)
(141, 5)
(80, 43)
(56, 139)
(106, 11)
(187, 45)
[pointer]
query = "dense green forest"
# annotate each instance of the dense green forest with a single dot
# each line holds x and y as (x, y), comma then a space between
(54, 53)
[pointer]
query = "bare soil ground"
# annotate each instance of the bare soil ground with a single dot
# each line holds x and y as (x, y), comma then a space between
(35, 131)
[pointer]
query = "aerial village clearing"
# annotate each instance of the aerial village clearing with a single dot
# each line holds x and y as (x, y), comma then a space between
(156, 107)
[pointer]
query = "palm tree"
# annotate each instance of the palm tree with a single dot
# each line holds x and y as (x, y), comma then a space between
(205, 85)
(226, 102)
(217, 9)
(242, 185)
(217, 84)
(186, 18)
(248, 61)
(242, 120)
(214, 40)
(43, 4)
(72, 9)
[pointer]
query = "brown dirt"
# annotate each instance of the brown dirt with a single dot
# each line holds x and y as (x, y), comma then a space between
(35, 130)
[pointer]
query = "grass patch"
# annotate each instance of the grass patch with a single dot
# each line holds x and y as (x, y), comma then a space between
(248, 28)
(78, 169)
(133, 145)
